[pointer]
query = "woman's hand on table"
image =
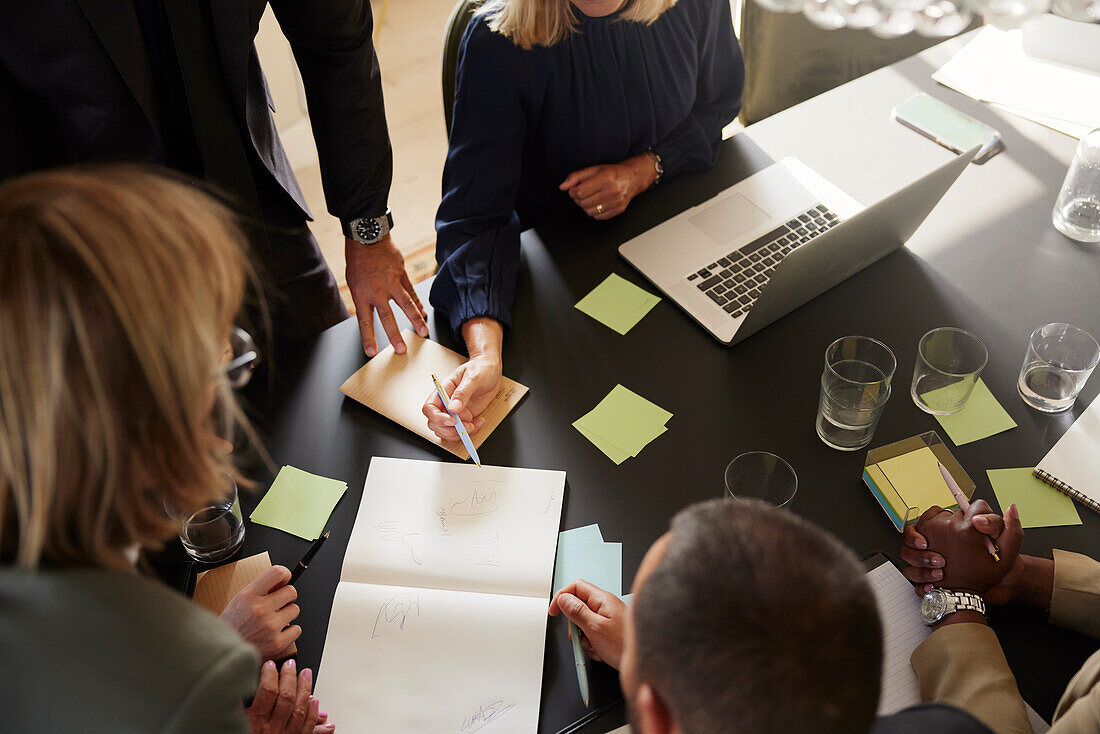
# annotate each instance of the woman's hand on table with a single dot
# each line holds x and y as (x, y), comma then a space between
(262, 612)
(283, 704)
(606, 190)
(473, 385)
(598, 614)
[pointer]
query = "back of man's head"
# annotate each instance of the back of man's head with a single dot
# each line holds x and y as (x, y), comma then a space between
(757, 622)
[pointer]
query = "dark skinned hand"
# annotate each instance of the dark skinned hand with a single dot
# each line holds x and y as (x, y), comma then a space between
(969, 567)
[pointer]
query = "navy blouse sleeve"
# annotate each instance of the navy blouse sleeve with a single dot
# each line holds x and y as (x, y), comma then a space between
(477, 228)
(693, 144)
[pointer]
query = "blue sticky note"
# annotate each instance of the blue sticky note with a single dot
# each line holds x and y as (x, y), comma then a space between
(628, 598)
(586, 534)
(597, 563)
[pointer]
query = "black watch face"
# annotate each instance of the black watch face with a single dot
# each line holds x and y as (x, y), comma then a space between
(368, 229)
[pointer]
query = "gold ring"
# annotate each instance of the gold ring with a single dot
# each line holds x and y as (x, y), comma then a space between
(599, 208)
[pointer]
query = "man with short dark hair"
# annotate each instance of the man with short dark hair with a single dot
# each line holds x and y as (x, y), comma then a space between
(747, 620)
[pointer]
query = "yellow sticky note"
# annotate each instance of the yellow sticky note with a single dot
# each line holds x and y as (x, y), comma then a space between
(916, 477)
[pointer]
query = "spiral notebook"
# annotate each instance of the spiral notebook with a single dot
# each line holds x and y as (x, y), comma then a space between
(1073, 465)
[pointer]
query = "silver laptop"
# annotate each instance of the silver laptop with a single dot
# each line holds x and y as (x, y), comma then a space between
(774, 241)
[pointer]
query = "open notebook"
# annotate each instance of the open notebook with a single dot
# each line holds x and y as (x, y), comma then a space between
(1073, 465)
(439, 619)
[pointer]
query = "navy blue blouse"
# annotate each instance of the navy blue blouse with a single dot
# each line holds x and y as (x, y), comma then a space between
(525, 119)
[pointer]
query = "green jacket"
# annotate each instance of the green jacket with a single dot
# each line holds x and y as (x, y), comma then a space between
(91, 651)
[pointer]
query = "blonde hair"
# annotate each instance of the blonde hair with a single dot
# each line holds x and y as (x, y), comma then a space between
(118, 288)
(528, 23)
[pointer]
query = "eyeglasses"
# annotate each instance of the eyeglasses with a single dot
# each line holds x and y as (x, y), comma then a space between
(243, 356)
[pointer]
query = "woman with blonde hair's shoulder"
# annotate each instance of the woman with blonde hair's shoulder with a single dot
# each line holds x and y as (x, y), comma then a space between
(564, 108)
(118, 291)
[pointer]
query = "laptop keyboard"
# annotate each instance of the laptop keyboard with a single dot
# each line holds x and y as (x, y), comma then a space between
(734, 281)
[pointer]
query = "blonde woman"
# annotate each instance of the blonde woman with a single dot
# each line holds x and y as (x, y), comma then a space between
(118, 291)
(565, 106)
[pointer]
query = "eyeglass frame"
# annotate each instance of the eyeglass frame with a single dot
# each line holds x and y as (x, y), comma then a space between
(238, 371)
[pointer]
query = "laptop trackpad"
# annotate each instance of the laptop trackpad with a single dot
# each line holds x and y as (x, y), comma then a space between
(727, 219)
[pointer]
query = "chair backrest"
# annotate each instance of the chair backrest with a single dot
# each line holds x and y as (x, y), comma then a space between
(456, 25)
(788, 59)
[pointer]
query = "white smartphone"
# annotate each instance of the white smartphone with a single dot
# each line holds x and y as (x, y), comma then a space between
(945, 125)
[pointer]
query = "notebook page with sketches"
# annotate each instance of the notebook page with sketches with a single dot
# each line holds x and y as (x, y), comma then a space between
(439, 620)
(396, 385)
(1075, 459)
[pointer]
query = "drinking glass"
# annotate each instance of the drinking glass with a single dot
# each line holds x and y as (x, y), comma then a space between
(1077, 210)
(216, 531)
(762, 476)
(1059, 360)
(949, 361)
(855, 386)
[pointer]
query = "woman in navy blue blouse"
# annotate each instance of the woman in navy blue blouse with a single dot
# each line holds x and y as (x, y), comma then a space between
(563, 104)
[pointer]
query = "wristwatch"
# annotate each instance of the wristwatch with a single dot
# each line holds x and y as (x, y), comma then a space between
(368, 230)
(938, 603)
(658, 166)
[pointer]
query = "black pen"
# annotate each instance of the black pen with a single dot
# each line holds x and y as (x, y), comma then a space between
(304, 563)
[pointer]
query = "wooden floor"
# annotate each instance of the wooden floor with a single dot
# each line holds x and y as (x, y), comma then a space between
(409, 41)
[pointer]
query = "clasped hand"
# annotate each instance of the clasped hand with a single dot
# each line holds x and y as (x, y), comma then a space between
(947, 549)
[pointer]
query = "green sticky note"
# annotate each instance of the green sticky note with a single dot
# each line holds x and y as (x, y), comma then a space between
(916, 477)
(617, 303)
(597, 563)
(981, 417)
(299, 503)
(1040, 505)
(625, 419)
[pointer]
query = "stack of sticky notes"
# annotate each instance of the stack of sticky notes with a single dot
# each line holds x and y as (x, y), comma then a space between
(909, 482)
(623, 424)
(299, 503)
(617, 303)
(1039, 504)
(583, 554)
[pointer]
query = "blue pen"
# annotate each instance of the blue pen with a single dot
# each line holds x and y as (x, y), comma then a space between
(458, 422)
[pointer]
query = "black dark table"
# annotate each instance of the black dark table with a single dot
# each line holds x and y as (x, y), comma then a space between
(986, 260)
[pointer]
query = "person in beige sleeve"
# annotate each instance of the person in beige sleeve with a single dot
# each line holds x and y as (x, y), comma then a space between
(961, 662)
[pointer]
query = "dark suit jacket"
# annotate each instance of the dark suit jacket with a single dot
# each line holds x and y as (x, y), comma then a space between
(75, 86)
(930, 718)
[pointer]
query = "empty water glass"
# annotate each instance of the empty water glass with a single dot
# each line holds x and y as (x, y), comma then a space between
(949, 361)
(762, 476)
(855, 386)
(216, 531)
(1077, 211)
(1059, 360)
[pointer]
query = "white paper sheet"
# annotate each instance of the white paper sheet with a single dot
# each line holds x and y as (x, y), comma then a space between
(400, 660)
(456, 526)
(439, 620)
(994, 68)
(1075, 459)
(902, 631)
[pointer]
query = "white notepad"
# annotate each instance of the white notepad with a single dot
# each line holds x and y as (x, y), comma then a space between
(439, 619)
(1075, 459)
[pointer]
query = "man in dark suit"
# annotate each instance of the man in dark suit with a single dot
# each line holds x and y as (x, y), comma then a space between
(178, 83)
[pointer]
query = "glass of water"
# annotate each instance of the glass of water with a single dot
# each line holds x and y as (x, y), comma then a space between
(760, 475)
(216, 531)
(949, 361)
(1077, 211)
(1059, 360)
(855, 386)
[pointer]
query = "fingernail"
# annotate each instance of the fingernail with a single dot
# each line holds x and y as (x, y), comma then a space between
(979, 520)
(937, 575)
(456, 406)
(423, 331)
(307, 674)
(936, 562)
(370, 351)
(399, 348)
(270, 665)
(922, 544)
